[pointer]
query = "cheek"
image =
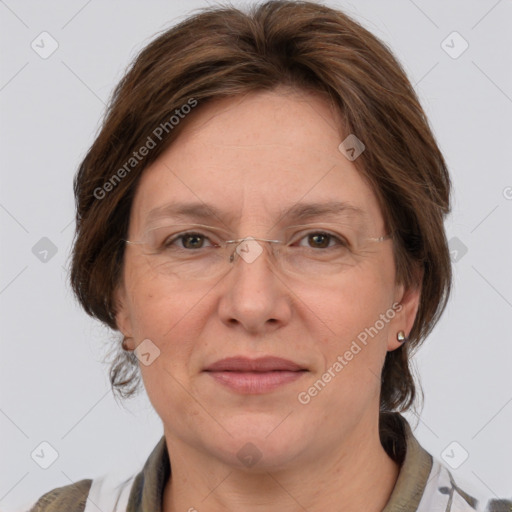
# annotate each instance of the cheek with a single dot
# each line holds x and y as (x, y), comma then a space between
(160, 316)
(174, 317)
(171, 320)
(354, 324)
(354, 304)
(155, 304)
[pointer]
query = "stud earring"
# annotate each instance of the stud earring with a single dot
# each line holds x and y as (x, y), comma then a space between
(125, 346)
(401, 337)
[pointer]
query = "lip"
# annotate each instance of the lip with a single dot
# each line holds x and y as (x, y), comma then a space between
(261, 364)
(255, 376)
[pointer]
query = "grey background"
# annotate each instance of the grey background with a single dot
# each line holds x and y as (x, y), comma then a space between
(53, 385)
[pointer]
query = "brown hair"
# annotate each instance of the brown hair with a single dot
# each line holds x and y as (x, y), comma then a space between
(222, 52)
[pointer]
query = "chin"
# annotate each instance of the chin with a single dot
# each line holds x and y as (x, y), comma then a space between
(260, 446)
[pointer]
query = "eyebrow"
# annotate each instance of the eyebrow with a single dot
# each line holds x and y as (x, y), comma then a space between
(297, 212)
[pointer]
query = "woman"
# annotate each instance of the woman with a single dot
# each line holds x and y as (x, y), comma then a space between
(261, 218)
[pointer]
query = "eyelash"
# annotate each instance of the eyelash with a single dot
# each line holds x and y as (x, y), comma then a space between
(169, 241)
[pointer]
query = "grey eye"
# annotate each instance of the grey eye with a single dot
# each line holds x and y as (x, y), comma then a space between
(190, 240)
(321, 240)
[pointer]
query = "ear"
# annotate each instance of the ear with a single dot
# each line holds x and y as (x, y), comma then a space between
(406, 304)
(123, 320)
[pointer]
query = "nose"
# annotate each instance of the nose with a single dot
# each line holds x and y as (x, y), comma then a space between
(254, 296)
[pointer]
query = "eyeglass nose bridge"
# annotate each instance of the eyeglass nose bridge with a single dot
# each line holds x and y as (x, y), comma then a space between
(238, 241)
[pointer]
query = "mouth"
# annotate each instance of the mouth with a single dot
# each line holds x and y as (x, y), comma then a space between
(261, 364)
(255, 376)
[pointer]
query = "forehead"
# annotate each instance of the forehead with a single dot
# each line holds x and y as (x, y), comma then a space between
(254, 157)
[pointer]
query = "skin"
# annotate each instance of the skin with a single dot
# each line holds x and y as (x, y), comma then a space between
(250, 156)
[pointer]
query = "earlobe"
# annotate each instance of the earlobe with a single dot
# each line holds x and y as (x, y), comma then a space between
(122, 317)
(409, 300)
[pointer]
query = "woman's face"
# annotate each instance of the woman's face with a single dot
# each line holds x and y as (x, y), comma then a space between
(252, 158)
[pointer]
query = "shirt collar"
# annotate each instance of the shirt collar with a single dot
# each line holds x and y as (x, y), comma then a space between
(413, 476)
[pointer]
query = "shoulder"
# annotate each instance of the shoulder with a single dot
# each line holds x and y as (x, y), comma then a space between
(444, 492)
(70, 498)
(425, 484)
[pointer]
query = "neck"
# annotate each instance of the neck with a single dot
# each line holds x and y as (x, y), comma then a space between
(360, 475)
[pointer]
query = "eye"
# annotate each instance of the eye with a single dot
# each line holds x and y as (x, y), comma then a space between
(322, 239)
(189, 240)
